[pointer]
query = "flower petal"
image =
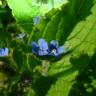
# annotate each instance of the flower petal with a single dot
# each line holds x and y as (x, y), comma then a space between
(54, 43)
(53, 54)
(36, 20)
(42, 44)
(60, 50)
(20, 36)
(4, 52)
(41, 52)
(35, 47)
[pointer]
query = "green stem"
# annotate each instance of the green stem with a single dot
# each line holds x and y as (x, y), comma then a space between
(45, 67)
(27, 62)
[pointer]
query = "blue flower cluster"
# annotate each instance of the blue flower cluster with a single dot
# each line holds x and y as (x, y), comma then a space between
(4, 52)
(42, 48)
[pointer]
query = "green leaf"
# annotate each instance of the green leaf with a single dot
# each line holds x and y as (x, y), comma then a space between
(19, 62)
(5, 38)
(62, 86)
(26, 10)
(38, 30)
(81, 46)
(83, 35)
(52, 27)
(74, 12)
(26, 62)
(47, 5)
(79, 41)
(61, 23)
(22, 10)
(31, 92)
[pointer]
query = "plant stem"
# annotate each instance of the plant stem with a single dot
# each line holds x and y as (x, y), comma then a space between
(45, 67)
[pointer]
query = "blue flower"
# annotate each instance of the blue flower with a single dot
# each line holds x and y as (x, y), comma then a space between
(4, 52)
(36, 20)
(55, 49)
(41, 48)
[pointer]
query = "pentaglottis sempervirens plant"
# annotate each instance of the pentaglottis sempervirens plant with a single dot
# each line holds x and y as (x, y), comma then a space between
(47, 47)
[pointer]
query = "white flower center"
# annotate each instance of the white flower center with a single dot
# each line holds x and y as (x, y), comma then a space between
(53, 51)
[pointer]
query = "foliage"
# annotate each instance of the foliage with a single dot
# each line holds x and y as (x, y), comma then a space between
(72, 24)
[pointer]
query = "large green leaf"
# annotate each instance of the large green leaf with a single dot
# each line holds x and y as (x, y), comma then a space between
(47, 5)
(50, 31)
(66, 70)
(80, 40)
(62, 86)
(22, 10)
(63, 21)
(25, 10)
(81, 44)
